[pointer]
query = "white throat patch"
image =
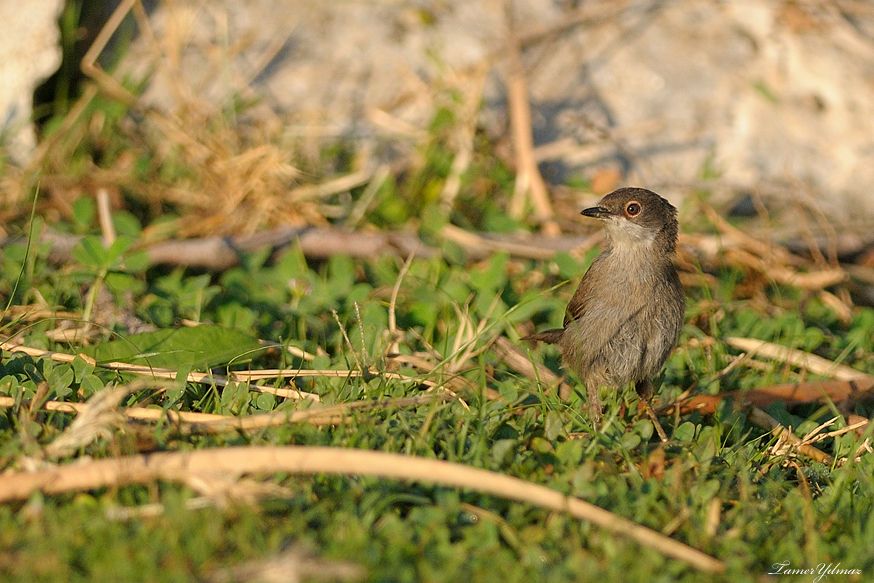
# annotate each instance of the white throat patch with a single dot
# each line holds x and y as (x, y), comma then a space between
(623, 231)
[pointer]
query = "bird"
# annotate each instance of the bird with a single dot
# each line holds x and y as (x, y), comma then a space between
(625, 317)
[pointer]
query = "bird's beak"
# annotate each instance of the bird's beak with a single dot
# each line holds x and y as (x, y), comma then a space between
(596, 212)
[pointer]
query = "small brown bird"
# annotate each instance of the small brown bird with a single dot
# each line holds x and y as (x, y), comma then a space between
(626, 315)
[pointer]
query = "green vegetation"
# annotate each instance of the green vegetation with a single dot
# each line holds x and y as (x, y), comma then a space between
(720, 484)
(715, 485)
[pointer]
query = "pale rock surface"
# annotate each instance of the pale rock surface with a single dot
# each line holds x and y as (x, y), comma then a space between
(29, 53)
(768, 96)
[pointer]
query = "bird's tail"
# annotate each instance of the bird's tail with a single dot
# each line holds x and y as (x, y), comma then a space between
(548, 336)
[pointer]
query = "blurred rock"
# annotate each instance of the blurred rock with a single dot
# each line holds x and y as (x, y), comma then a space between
(29, 53)
(770, 98)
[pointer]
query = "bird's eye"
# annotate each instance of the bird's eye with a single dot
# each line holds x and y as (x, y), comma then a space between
(632, 209)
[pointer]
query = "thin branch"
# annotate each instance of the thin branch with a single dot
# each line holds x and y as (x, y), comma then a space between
(334, 186)
(782, 433)
(320, 243)
(791, 393)
(529, 181)
(394, 333)
(165, 373)
(134, 413)
(104, 215)
(90, 68)
(175, 466)
(192, 422)
(799, 358)
(316, 415)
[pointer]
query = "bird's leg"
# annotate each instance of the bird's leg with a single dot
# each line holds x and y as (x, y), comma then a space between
(645, 391)
(594, 403)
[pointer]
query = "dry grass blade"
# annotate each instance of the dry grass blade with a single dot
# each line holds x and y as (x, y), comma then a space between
(772, 261)
(812, 280)
(154, 509)
(529, 182)
(300, 353)
(449, 381)
(817, 435)
(237, 376)
(464, 342)
(334, 186)
(192, 422)
(163, 373)
(176, 466)
(360, 208)
(105, 81)
(227, 488)
(810, 362)
(762, 249)
(359, 358)
(393, 332)
(104, 215)
(318, 415)
(98, 420)
(292, 373)
(787, 442)
(842, 307)
(31, 313)
(290, 566)
(134, 413)
(516, 360)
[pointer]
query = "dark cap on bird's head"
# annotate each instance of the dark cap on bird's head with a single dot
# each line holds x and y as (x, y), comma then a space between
(638, 215)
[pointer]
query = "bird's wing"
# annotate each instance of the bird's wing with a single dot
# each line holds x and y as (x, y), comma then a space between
(576, 308)
(600, 315)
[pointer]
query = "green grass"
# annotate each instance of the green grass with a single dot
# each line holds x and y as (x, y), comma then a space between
(805, 513)
(714, 486)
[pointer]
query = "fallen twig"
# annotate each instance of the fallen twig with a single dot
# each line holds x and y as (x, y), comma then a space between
(162, 373)
(790, 393)
(813, 280)
(193, 422)
(787, 442)
(235, 376)
(191, 419)
(176, 466)
(135, 413)
(529, 181)
(810, 362)
(773, 261)
(218, 380)
(484, 244)
(219, 253)
(316, 415)
(330, 187)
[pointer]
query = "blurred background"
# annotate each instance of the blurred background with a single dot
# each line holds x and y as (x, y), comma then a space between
(228, 117)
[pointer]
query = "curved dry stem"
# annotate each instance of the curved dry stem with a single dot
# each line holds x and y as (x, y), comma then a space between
(177, 466)
(193, 422)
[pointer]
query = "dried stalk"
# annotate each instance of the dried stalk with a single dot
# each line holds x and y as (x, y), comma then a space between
(529, 182)
(788, 441)
(176, 466)
(791, 393)
(810, 362)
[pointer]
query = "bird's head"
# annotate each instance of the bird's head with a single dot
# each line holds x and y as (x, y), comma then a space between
(637, 216)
